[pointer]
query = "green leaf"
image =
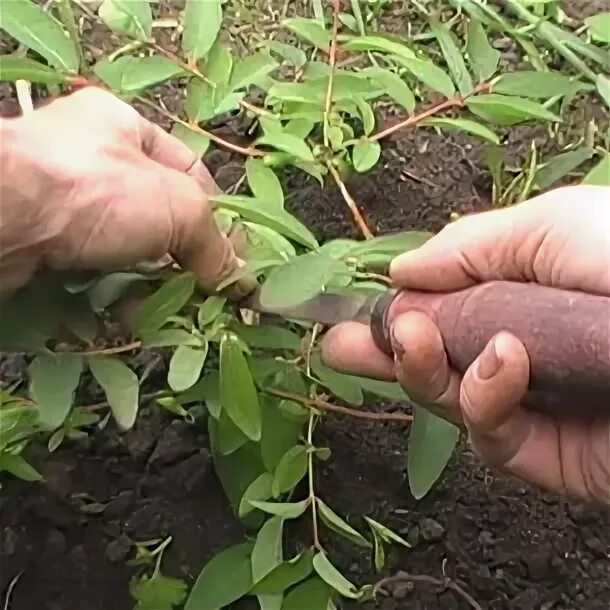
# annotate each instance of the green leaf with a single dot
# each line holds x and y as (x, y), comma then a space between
(287, 510)
(226, 578)
(286, 575)
(603, 88)
(599, 26)
(258, 490)
(269, 337)
(429, 74)
(453, 56)
(120, 384)
(170, 337)
(431, 444)
(366, 113)
(111, 288)
(381, 250)
(200, 103)
(18, 467)
(378, 43)
(393, 86)
(280, 433)
(314, 594)
(561, 165)
(484, 59)
(267, 553)
(264, 184)
(280, 221)
(185, 367)
(508, 110)
(385, 533)
(288, 143)
(345, 387)
(167, 301)
(291, 469)
(129, 74)
(16, 424)
(365, 155)
(197, 142)
(13, 68)
(53, 381)
(225, 437)
(210, 310)
(157, 592)
(384, 389)
(534, 84)
(202, 21)
(466, 125)
(290, 53)
(600, 174)
(339, 525)
(330, 575)
(37, 30)
(378, 551)
(309, 30)
(272, 239)
(238, 394)
(271, 602)
(298, 280)
(130, 17)
(249, 70)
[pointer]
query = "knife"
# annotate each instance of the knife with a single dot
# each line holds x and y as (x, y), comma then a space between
(566, 333)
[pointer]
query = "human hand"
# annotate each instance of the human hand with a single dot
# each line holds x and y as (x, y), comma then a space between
(560, 239)
(89, 183)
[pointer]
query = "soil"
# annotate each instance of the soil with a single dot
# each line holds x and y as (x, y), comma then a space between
(508, 547)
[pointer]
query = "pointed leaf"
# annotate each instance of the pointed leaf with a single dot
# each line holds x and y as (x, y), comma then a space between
(130, 17)
(37, 30)
(561, 166)
(534, 84)
(313, 594)
(13, 68)
(309, 30)
(431, 444)
(290, 53)
(157, 592)
(225, 437)
(170, 337)
(367, 114)
(226, 578)
(600, 174)
(53, 381)
(210, 310)
(129, 74)
(237, 391)
(378, 43)
(258, 490)
(288, 143)
(111, 288)
(508, 110)
(202, 21)
(286, 575)
(466, 125)
(120, 385)
(330, 575)
(603, 88)
(453, 56)
(200, 104)
(197, 142)
(339, 525)
(393, 86)
(18, 467)
(342, 386)
(484, 59)
(378, 551)
(185, 367)
(280, 434)
(385, 533)
(267, 553)
(429, 74)
(291, 469)
(599, 26)
(250, 69)
(287, 510)
(264, 184)
(365, 155)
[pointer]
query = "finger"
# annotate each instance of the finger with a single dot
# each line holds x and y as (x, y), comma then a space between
(422, 367)
(350, 348)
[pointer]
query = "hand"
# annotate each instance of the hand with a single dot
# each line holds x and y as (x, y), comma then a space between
(88, 183)
(559, 239)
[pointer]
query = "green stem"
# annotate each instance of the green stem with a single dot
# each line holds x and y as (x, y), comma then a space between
(312, 491)
(66, 14)
(358, 16)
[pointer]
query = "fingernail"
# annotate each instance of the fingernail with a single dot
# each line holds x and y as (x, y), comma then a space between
(489, 362)
(399, 350)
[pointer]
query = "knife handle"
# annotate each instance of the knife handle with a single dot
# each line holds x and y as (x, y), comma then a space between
(566, 334)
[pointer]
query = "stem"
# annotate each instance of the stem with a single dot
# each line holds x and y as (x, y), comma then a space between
(109, 351)
(332, 59)
(358, 16)
(322, 405)
(66, 15)
(312, 491)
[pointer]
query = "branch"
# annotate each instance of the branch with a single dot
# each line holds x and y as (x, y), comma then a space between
(452, 102)
(332, 59)
(109, 351)
(322, 405)
(350, 202)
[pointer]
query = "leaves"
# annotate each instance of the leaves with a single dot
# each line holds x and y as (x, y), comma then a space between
(385, 533)
(339, 525)
(291, 469)
(120, 384)
(309, 30)
(534, 84)
(157, 592)
(365, 155)
(37, 30)
(202, 21)
(393, 86)
(345, 387)
(286, 575)
(269, 337)
(111, 287)
(53, 381)
(603, 88)
(210, 310)
(287, 510)
(379, 43)
(599, 26)
(13, 68)
(259, 489)
(314, 594)
(298, 280)
(267, 552)
(329, 574)
(484, 59)
(560, 166)
(249, 70)
(508, 110)
(367, 114)
(466, 125)
(129, 74)
(167, 301)
(431, 444)
(280, 221)
(600, 174)
(429, 74)
(130, 17)
(226, 578)
(185, 367)
(238, 394)
(288, 143)
(264, 184)
(18, 467)
(196, 141)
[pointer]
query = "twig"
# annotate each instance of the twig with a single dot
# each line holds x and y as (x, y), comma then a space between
(311, 480)
(109, 351)
(10, 589)
(452, 102)
(445, 583)
(350, 202)
(332, 59)
(322, 405)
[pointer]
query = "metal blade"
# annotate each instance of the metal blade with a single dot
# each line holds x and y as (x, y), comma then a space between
(325, 308)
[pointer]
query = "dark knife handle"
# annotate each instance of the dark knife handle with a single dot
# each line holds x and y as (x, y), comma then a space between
(566, 334)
